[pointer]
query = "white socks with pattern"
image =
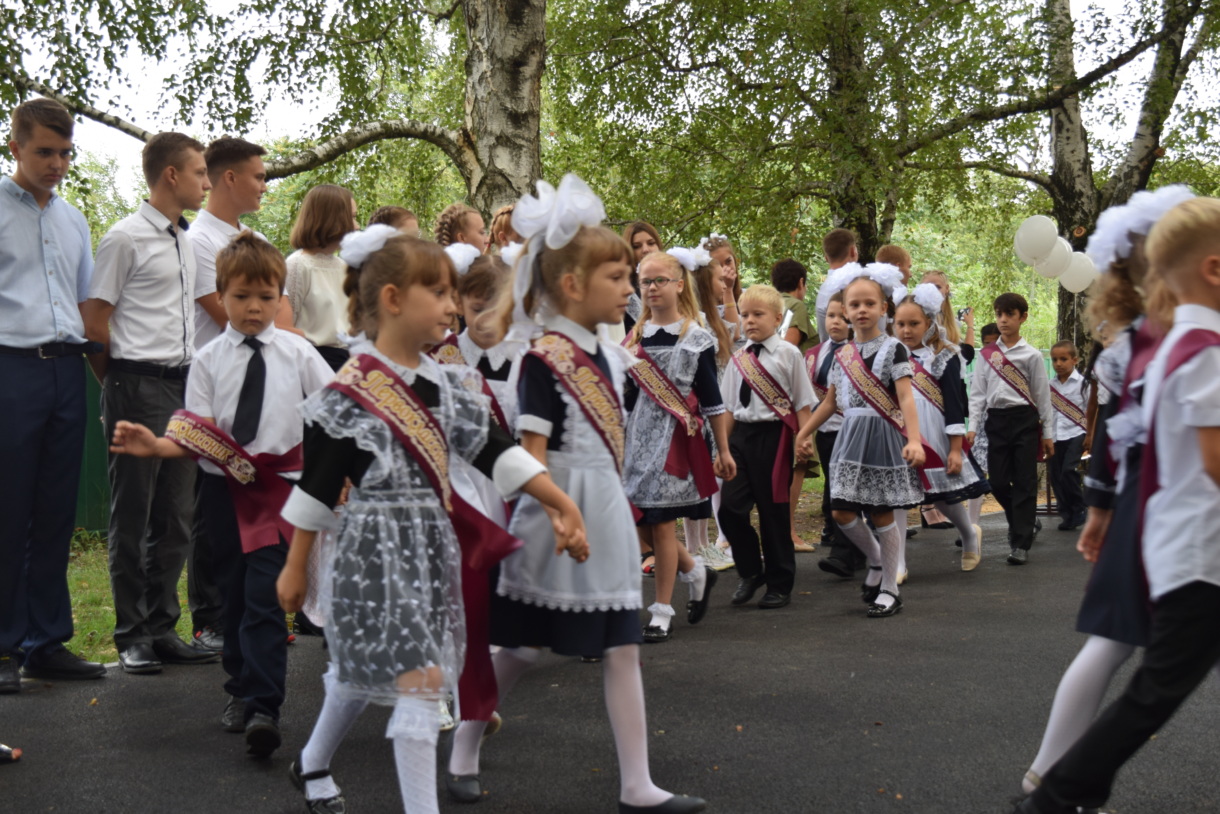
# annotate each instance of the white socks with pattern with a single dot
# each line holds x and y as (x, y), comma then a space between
(336, 718)
(862, 538)
(414, 728)
(900, 519)
(959, 516)
(510, 663)
(696, 534)
(624, 688)
(890, 540)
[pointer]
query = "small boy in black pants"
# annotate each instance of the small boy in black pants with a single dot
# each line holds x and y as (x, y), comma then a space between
(244, 384)
(1070, 401)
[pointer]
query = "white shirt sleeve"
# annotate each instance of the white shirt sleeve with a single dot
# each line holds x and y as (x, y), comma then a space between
(978, 394)
(1201, 404)
(802, 389)
(84, 269)
(1041, 387)
(201, 388)
(116, 259)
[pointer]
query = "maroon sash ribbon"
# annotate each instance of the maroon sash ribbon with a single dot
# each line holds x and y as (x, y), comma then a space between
(1012, 376)
(1068, 410)
(688, 453)
(811, 367)
(776, 398)
(448, 353)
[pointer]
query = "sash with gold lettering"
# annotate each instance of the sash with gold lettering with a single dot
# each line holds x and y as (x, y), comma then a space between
(811, 367)
(929, 387)
(688, 453)
(1067, 408)
(877, 396)
(448, 353)
(776, 398)
(1012, 376)
(257, 489)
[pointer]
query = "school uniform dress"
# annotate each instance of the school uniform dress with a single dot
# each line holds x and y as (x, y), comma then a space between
(689, 361)
(1015, 428)
(391, 588)
(1180, 529)
(145, 268)
(314, 288)
(255, 652)
(867, 471)
(937, 426)
(575, 609)
(1069, 447)
(755, 446)
(46, 264)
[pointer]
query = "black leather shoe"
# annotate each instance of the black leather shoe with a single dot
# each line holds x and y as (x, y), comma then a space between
(837, 567)
(869, 592)
(876, 611)
(325, 805)
(262, 735)
(746, 588)
(696, 610)
(655, 634)
(10, 673)
(139, 659)
(301, 625)
(1019, 556)
(774, 599)
(678, 804)
(61, 665)
(172, 650)
(233, 719)
(464, 788)
(1031, 806)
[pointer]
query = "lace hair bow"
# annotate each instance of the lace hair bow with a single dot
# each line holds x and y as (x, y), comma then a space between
(703, 244)
(930, 301)
(888, 276)
(835, 282)
(1111, 239)
(510, 253)
(684, 256)
(356, 247)
(462, 255)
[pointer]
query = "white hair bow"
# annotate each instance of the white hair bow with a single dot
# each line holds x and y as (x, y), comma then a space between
(703, 244)
(929, 298)
(510, 253)
(684, 256)
(356, 247)
(1111, 239)
(462, 255)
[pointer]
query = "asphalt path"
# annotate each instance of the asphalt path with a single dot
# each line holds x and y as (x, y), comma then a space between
(811, 708)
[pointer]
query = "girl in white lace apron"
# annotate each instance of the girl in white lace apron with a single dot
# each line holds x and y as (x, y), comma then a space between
(679, 361)
(388, 424)
(938, 400)
(574, 276)
(871, 470)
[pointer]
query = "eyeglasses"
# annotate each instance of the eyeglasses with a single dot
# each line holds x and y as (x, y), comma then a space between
(659, 282)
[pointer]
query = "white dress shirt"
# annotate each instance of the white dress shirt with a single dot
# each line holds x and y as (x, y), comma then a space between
(989, 392)
(1181, 523)
(315, 292)
(786, 364)
(835, 422)
(209, 234)
(1077, 392)
(295, 370)
(145, 268)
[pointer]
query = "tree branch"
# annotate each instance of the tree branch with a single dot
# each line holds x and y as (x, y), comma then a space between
(451, 142)
(1041, 180)
(26, 84)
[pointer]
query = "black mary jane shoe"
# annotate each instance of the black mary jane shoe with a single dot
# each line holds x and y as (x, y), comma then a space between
(697, 609)
(655, 634)
(876, 611)
(678, 804)
(326, 805)
(869, 593)
(464, 788)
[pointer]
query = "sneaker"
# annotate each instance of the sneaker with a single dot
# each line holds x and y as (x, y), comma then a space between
(447, 721)
(209, 638)
(713, 557)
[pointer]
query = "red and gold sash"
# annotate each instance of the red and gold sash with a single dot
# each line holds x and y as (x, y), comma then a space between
(688, 453)
(380, 391)
(776, 398)
(448, 353)
(1009, 373)
(588, 385)
(258, 492)
(1069, 410)
(811, 367)
(927, 385)
(877, 396)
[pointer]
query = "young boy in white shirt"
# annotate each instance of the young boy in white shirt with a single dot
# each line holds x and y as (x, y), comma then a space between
(246, 383)
(1070, 401)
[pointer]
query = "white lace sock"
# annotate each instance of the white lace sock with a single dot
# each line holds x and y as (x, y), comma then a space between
(414, 728)
(624, 689)
(696, 579)
(336, 718)
(889, 538)
(1078, 699)
(696, 534)
(510, 663)
(662, 615)
(862, 537)
(959, 516)
(976, 510)
(900, 519)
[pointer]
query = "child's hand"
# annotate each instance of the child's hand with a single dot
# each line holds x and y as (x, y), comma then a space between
(291, 588)
(912, 453)
(1048, 448)
(805, 449)
(569, 527)
(1093, 534)
(725, 467)
(133, 439)
(1088, 444)
(970, 439)
(953, 466)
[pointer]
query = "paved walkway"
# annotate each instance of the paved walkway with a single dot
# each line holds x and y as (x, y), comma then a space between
(812, 708)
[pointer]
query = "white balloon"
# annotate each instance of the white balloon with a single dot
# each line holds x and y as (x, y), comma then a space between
(1036, 237)
(1080, 273)
(1057, 261)
(1020, 253)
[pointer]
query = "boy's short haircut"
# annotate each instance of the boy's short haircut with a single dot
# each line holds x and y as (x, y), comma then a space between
(392, 216)
(1068, 345)
(763, 295)
(45, 112)
(787, 274)
(249, 257)
(1007, 303)
(837, 244)
(485, 279)
(894, 255)
(166, 150)
(227, 152)
(990, 329)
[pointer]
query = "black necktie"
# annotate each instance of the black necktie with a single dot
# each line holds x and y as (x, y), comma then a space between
(824, 369)
(755, 349)
(250, 402)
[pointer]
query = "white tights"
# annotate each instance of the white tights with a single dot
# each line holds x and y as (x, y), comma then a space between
(336, 718)
(959, 516)
(414, 728)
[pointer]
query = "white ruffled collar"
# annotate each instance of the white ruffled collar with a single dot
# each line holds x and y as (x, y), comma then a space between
(675, 328)
(496, 355)
(428, 368)
(872, 346)
(585, 339)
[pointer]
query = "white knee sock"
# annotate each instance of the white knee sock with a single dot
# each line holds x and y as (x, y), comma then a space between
(1078, 698)
(862, 537)
(336, 718)
(624, 688)
(696, 534)
(976, 509)
(721, 540)
(696, 578)
(510, 664)
(900, 519)
(959, 516)
(414, 728)
(889, 538)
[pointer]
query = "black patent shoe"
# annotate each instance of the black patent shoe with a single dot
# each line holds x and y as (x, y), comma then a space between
(876, 611)
(697, 609)
(326, 805)
(868, 592)
(678, 804)
(655, 634)
(746, 588)
(59, 664)
(464, 788)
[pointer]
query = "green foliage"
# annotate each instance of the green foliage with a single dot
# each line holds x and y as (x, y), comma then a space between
(92, 186)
